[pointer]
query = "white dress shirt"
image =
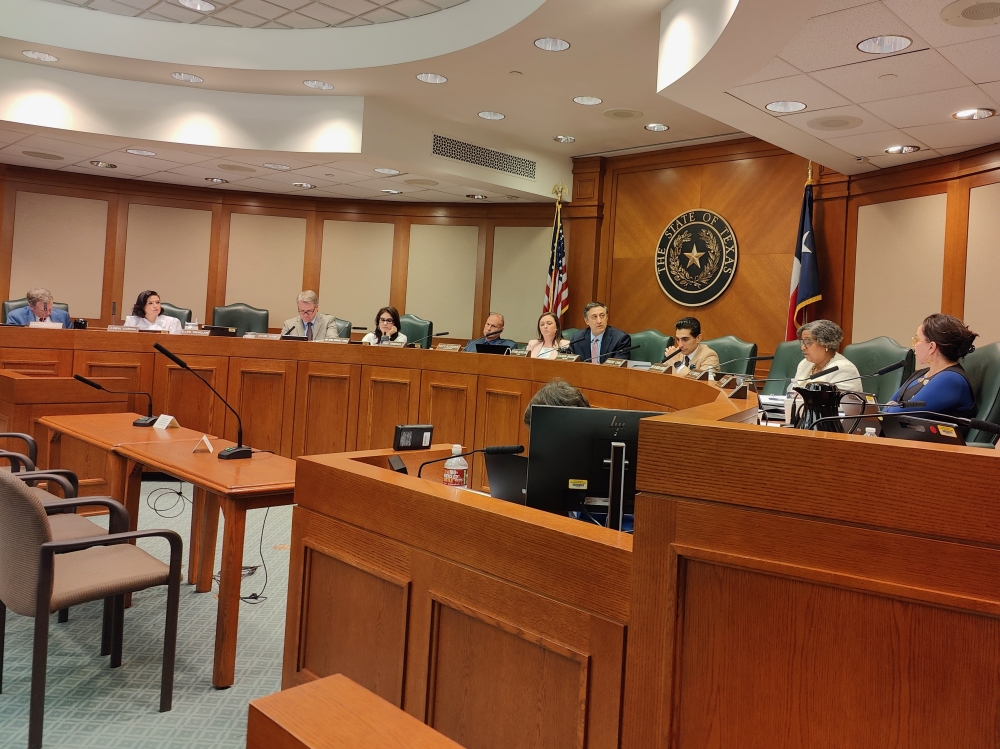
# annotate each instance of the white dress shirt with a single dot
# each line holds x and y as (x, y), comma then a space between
(162, 322)
(375, 340)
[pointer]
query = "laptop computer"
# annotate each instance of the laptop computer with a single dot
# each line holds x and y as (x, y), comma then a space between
(508, 477)
(902, 427)
(491, 348)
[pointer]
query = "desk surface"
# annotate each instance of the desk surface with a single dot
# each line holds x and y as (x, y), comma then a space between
(111, 430)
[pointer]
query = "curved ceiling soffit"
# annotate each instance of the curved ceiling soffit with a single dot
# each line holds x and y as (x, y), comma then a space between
(410, 40)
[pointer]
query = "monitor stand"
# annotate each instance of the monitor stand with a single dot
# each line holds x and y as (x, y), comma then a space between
(616, 484)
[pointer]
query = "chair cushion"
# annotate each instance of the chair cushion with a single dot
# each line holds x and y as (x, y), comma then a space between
(68, 526)
(104, 571)
(43, 496)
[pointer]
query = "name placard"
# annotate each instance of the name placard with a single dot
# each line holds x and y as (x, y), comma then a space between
(48, 324)
(204, 445)
(615, 362)
(449, 347)
(195, 332)
(660, 368)
(121, 329)
(263, 336)
(567, 357)
(165, 421)
(335, 340)
(394, 344)
(522, 352)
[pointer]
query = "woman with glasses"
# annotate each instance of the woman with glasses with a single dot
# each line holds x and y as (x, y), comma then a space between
(942, 385)
(146, 315)
(550, 338)
(386, 328)
(820, 340)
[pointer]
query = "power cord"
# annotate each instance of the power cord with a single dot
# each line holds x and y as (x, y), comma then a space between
(249, 570)
(175, 497)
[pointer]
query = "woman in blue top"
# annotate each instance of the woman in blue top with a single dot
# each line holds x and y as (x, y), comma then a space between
(941, 340)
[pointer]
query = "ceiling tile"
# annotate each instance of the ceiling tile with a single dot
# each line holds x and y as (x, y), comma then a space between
(261, 8)
(832, 6)
(411, 8)
(831, 40)
(154, 17)
(874, 144)
(179, 155)
(386, 184)
(142, 4)
(9, 136)
(354, 7)
(956, 133)
(122, 169)
(176, 12)
(802, 88)
(777, 68)
(259, 158)
(358, 167)
(446, 3)
(959, 149)
(78, 149)
(870, 123)
(892, 77)
(291, 4)
(465, 190)
(14, 156)
(297, 21)
(325, 13)
(213, 21)
(143, 163)
(239, 17)
(383, 15)
(330, 174)
(440, 182)
(207, 170)
(932, 108)
(349, 191)
(287, 178)
(924, 17)
(436, 196)
(355, 22)
(110, 6)
(886, 160)
(979, 60)
(173, 179)
(410, 197)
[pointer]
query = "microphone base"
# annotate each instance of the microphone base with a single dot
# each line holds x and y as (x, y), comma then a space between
(242, 452)
(144, 421)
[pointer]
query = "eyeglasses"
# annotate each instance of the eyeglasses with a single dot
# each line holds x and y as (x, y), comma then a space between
(806, 342)
(386, 319)
(914, 341)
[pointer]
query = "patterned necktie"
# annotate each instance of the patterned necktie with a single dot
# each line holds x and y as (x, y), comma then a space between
(309, 331)
(595, 351)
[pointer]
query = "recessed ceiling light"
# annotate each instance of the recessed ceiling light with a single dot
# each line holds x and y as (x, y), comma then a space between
(104, 164)
(200, 5)
(884, 45)
(587, 101)
(280, 167)
(564, 139)
(974, 114)
(303, 185)
(785, 106)
(656, 127)
(140, 152)
(187, 77)
(217, 180)
(902, 149)
(387, 170)
(491, 115)
(40, 56)
(392, 192)
(431, 78)
(318, 85)
(551, 44)
(477, 197)
(42, 155)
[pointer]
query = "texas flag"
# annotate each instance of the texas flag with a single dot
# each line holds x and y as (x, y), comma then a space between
(805, 269)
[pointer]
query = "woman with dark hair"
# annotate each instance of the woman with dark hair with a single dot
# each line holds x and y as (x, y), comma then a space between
(386, 328)
(146, 315)
(550, 338)
(941, 340)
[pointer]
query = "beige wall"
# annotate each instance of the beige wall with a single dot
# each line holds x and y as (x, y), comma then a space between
(900, 262)
(266, 255)
(356, 270)
(983, 263)
(441, 277)
(520, 262)
(167, 250)
(59, 244)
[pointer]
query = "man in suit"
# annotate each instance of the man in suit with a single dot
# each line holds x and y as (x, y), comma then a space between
(491, 334)
(39, 309)
(600, 341)
(310, 323)
(694, 356)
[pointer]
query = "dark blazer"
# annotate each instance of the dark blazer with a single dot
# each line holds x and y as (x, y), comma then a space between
(612, 339)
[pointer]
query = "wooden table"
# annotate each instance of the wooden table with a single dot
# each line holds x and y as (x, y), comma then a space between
(266, 480)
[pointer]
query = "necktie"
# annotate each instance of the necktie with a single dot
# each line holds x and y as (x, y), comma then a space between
(687, 362)
(595, 351)
(309, 331)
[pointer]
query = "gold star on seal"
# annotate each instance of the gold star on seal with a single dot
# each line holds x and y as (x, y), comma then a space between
(694, 257)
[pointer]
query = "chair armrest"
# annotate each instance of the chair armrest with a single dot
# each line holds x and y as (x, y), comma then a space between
(66, 479)
(28, 439)
(119, 521)
(77, 544)
(18, 461)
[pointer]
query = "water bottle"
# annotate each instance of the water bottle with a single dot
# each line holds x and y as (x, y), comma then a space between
(456, 470)
(871, 432)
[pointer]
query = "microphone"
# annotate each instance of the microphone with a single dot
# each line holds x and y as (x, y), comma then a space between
(493, 450)
(983, 426)
(717, 369)
(413, 344)
(383, 339)
(671, 356)
(289, 329)
(359, 327)
(241, 451)
(143, 421)
(619, 350)
(824, 373)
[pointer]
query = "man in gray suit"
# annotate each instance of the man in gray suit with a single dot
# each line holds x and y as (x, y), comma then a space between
(310, 323)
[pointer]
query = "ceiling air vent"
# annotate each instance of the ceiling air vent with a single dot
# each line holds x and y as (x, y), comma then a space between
(971, 13)
(487, 157)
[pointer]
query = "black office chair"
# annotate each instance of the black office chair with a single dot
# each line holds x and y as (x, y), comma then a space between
(12, 304)
(243, 317)
(181, 313)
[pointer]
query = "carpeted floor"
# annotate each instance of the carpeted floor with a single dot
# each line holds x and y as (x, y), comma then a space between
(89, 705)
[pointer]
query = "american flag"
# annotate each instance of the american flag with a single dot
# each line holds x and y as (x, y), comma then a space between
(557, 282)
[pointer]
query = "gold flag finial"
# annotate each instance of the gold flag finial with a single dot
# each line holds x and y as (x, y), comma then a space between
(559, 190)
(809, 179)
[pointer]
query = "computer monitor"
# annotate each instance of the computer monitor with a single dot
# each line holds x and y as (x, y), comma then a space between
(570, 460)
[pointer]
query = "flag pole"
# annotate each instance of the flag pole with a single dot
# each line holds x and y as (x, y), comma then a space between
(809, 178)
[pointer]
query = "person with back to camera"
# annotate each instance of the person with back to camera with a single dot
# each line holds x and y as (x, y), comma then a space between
(146, 315)
(39, 309)
(386, 328)
(550, 338)
(942, 385)
(556, 392)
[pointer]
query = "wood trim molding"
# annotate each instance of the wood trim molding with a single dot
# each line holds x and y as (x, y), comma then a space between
(400, 264)
(956, 240)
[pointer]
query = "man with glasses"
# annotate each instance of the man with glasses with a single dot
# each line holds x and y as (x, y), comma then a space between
(491, 334)
(694, 356)
(39, 309)
(310, 322)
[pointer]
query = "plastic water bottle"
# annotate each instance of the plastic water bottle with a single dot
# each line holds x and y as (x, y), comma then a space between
(456, 470)
(871, 432)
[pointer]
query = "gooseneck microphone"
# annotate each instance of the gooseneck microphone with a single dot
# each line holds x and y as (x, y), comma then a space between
(241, 451)
(494, 450)
(824, 373)
(413, 344)
(620, 350)
(143, 421)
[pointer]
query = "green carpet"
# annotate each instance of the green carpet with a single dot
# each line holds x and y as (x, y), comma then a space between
(90, 705)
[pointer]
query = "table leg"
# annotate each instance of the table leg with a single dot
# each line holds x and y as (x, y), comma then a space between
(227, 622)
(133, 492)
(209, 523)
(194, 542)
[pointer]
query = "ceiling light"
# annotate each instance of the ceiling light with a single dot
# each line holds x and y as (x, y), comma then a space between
(104, 164)
(187, 77)
(564, 139)
(477, 197)
(42, 155)
(785, 106)
(974, 114)
(884, 45)
(303, 185)
(656, 127)
(587, 101)
(431, 78)
(902, 149)
(139, 152)
(491, 115)
(40, 56)
(550, 44)
(387, 170)
(318, 85)
(217, 180)
(280, 167)
(202, 6)
(392, 192)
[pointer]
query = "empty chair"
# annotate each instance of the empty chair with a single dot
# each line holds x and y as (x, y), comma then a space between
(982, 367)
(734, 351)
(652, 344)
(243, 317)
(181, 313)
(417, 330)
(343, 328)
(570, 333)
(871, 356)
(787, 356)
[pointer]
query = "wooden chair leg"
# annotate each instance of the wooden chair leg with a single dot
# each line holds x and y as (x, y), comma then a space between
(117, 631)
(63, 616)
(3, 635)
(39, 662)
(170, 644)
(107, 626)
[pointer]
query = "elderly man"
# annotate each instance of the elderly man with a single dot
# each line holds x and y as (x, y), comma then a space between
(310, 322)
(39, 309)
(491, 334)
(600, 341)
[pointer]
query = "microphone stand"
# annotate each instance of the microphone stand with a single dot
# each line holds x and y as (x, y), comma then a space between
(413, 344)
(143, 421)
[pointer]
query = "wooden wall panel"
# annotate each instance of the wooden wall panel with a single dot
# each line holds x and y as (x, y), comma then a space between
(263, 393)
(326, 408)
(448, 401)
(39, 362)
(501, 404)
(135, 368)
(181, 395)
(389, 396)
